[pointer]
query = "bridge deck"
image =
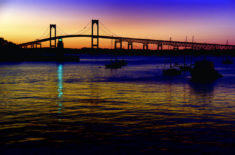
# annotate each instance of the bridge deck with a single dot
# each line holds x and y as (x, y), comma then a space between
(137, 40)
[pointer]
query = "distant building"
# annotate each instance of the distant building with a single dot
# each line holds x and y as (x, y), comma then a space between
(60, 44)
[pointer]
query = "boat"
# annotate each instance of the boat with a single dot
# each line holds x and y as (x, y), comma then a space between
(171, 72)
(204, 72)
(185, 68)
(116, 64)
(227, 61)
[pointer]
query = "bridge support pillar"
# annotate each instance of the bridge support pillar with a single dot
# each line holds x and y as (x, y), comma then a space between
(93, 37)
(52, 40)
(185, 47)
(120, 42)
(194, 48)
(176, 48)
(159, 47)
(130, 45)
(37, 44)
(215, 48)
(145, 46)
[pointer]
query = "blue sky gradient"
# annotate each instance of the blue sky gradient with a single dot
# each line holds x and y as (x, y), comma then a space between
(209, 20)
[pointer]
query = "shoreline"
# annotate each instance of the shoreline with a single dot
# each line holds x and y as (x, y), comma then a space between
(72, 55)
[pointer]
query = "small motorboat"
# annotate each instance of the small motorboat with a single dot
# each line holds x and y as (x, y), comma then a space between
(116, 64)
(185, 68)
(171, 72)
(204, 72)
(227, 61)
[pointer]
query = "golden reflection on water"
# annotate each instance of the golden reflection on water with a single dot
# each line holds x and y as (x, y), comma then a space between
(40, 95)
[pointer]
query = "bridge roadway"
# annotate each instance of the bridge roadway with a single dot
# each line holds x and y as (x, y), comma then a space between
(139, 40)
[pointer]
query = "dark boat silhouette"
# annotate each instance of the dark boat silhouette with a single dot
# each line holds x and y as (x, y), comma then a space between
(171, 72)
(185, 68)
(116, 64)
(204, 72)
(227, 61)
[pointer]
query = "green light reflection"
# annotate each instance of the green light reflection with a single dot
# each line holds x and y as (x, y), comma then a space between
(60, 87)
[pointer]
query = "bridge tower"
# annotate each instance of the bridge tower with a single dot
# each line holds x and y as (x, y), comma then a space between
(52, 27)
(95, 38)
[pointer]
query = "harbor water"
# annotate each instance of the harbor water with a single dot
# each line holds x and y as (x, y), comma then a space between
(72, 108)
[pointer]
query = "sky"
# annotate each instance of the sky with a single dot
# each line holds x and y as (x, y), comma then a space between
(211, 21)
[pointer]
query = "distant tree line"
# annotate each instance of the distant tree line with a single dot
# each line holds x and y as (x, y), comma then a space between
(7, 44)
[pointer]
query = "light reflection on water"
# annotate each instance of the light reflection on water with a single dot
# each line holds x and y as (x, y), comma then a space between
(130, 110)
(60, 87)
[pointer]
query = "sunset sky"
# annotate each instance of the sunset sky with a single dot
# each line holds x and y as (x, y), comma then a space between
(211, 21)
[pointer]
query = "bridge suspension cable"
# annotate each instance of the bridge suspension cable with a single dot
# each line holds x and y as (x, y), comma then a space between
(83, 29)
(86, 30)
(109, 31)
(104, 32)
(45, 33)
(61, 31)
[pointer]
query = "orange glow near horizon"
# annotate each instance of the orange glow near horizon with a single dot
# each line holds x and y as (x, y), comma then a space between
(21, 24)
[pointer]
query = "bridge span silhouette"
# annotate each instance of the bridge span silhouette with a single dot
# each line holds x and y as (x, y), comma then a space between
(120, 40)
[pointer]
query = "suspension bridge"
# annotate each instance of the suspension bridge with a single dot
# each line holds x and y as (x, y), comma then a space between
(119, 40)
